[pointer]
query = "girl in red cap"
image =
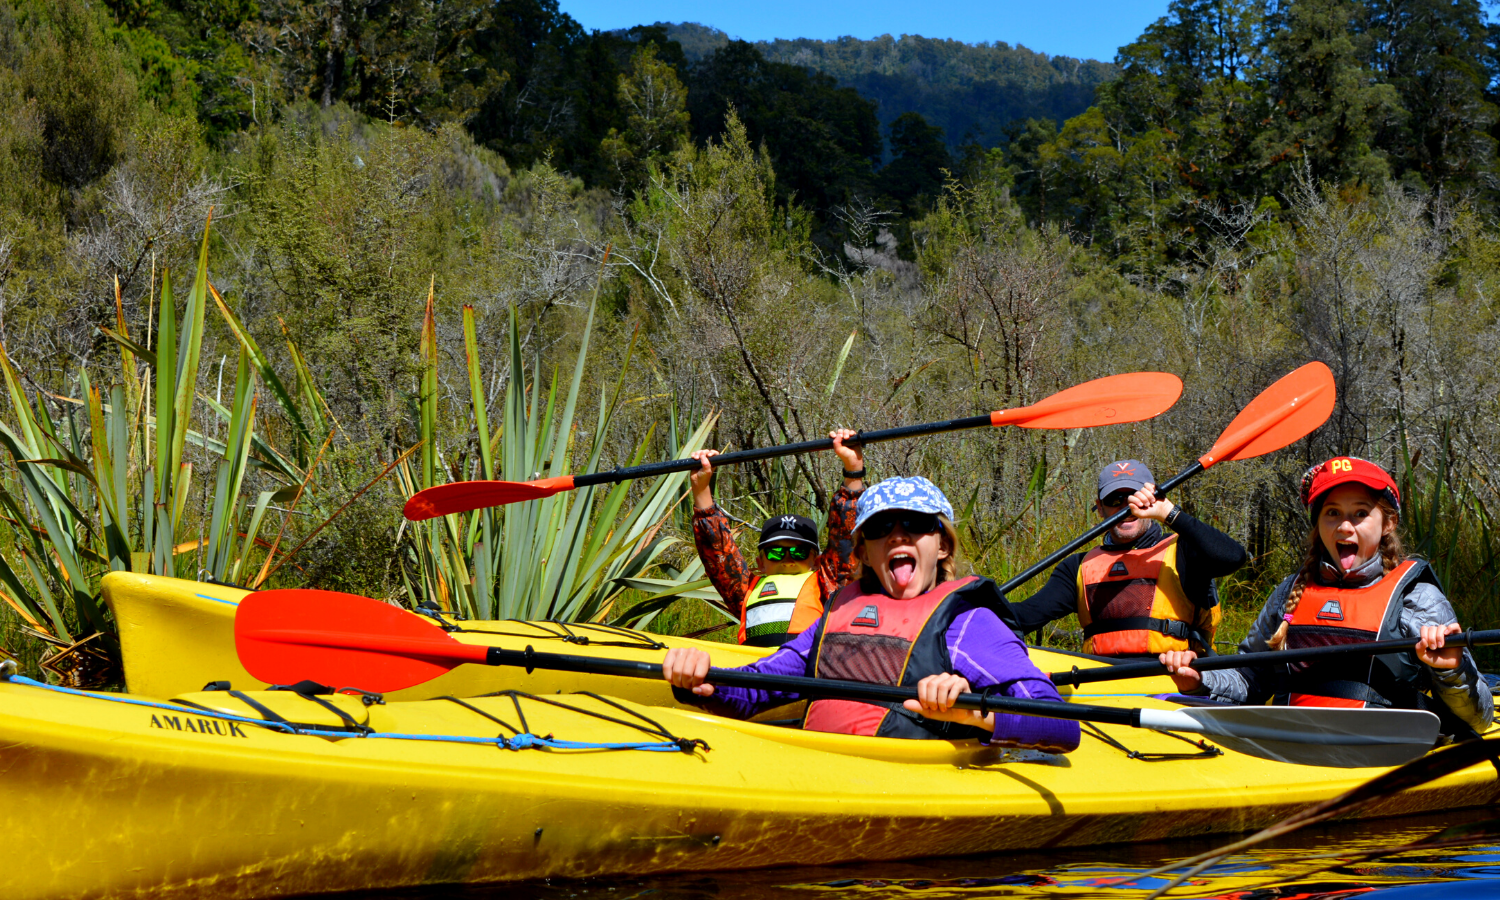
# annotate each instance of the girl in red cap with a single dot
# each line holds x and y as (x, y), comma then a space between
(1354, 585)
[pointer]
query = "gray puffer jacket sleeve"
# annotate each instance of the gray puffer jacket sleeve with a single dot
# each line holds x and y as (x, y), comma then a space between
(1462, 689)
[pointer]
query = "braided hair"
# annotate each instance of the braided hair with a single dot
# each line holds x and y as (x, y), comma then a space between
(1314, 554)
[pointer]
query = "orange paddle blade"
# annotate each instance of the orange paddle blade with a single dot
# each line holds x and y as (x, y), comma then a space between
(1104, 401)
(1287, 411)
(342, 640)
(463, 496)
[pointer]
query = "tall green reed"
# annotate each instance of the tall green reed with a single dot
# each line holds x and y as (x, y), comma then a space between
(1447, 520)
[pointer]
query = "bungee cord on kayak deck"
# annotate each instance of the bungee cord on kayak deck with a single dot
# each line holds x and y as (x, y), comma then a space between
(567, 632)
(521, 740)
(686, 745)
(1205, 750)
(539, 629)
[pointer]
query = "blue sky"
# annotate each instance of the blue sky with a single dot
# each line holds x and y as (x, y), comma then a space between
(1091, 29)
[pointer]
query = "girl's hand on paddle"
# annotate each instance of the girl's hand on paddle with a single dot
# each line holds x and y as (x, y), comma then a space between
(1431, 651)
(1144, 505)
(1179, 666)
(686, 667)
(853, 458)
(702, 480)
(936, 695)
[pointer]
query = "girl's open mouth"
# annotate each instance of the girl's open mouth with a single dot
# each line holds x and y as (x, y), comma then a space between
(1348, 554)
(903, 568)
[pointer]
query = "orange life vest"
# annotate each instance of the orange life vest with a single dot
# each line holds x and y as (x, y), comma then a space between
(880, 640)
(777, 608)
(1328, 616)
(1131, 603)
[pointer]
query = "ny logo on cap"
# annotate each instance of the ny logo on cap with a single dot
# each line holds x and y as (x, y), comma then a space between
(1331, 610)
(870, 616)
(788, 521)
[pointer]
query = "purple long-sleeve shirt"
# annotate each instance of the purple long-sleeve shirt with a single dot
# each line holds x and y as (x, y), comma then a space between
(984, 651)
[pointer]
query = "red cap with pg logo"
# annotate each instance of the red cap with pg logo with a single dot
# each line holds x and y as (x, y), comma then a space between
(1326, 476)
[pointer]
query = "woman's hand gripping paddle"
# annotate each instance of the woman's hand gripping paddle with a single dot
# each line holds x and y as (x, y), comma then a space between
(1283, 413)
(286, 636)
(1112, 400)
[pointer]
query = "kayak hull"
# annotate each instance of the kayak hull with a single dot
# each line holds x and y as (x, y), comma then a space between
(166, 801)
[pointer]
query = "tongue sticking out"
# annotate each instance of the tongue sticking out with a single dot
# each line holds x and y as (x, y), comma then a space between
(903, 570)
(1348, 555)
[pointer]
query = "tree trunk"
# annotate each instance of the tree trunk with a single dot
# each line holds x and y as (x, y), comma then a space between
(333, 61)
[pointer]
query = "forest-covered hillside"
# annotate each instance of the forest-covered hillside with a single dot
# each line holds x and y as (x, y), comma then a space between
(971, 91)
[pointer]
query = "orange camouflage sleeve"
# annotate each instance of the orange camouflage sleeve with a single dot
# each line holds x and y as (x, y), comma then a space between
(836, 562)
(722, 559)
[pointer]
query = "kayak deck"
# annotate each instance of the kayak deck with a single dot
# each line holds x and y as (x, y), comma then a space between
(178, 635)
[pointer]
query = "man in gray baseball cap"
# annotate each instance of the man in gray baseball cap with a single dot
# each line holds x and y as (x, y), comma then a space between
(1143, 587)
(1118, 481)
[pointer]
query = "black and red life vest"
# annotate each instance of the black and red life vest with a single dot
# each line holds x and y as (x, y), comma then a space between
(881, 640)
(1328, 616)
(1131, 603)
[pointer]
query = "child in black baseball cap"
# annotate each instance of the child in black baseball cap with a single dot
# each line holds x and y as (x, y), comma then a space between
(786, 591)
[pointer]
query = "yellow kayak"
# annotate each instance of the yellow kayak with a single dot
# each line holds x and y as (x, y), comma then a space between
(258, 794)
(178, 636)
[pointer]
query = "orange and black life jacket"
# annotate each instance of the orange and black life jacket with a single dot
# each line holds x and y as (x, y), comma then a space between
(1131, 603)
(880, 640)
(777, 608)
(1328, 616)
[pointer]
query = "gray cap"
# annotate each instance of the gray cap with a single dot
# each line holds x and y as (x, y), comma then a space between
(1124, 474)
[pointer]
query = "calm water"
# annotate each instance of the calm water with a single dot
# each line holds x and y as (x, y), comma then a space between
(1464, 873)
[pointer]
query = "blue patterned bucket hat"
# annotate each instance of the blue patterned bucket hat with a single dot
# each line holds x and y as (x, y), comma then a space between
(915, 493)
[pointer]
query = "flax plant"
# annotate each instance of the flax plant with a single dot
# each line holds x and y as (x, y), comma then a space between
(568, 557)
(105, 487)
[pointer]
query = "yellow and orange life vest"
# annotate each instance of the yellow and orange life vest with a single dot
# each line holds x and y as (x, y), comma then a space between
(777, 608)
(1131, 603)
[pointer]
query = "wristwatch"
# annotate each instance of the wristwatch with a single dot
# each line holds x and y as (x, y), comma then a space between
(1172, 516)
(848, 475)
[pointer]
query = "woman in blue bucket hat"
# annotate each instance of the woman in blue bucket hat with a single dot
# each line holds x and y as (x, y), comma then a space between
(906, 619)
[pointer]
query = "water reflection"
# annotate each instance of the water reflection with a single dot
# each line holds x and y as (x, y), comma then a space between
(1095, 873)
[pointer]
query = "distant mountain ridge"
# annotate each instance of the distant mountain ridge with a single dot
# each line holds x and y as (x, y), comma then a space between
(971, 91)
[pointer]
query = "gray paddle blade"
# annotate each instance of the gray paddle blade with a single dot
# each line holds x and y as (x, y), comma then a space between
(1314, 736)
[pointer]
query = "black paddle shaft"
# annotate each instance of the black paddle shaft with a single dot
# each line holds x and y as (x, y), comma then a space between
(861, 439)
(1146, 668)
(1107, 524)
(820, 688)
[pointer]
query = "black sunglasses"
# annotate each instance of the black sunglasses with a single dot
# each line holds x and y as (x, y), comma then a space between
(777, 554)
(1118, 498)
(881, 525)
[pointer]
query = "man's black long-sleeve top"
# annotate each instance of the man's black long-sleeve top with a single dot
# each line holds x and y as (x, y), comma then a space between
(1203, 554)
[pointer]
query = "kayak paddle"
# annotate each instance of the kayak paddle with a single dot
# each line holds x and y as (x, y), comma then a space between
(341, 639)
(1285, 412)
(1112, 400)
(1146, 668)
